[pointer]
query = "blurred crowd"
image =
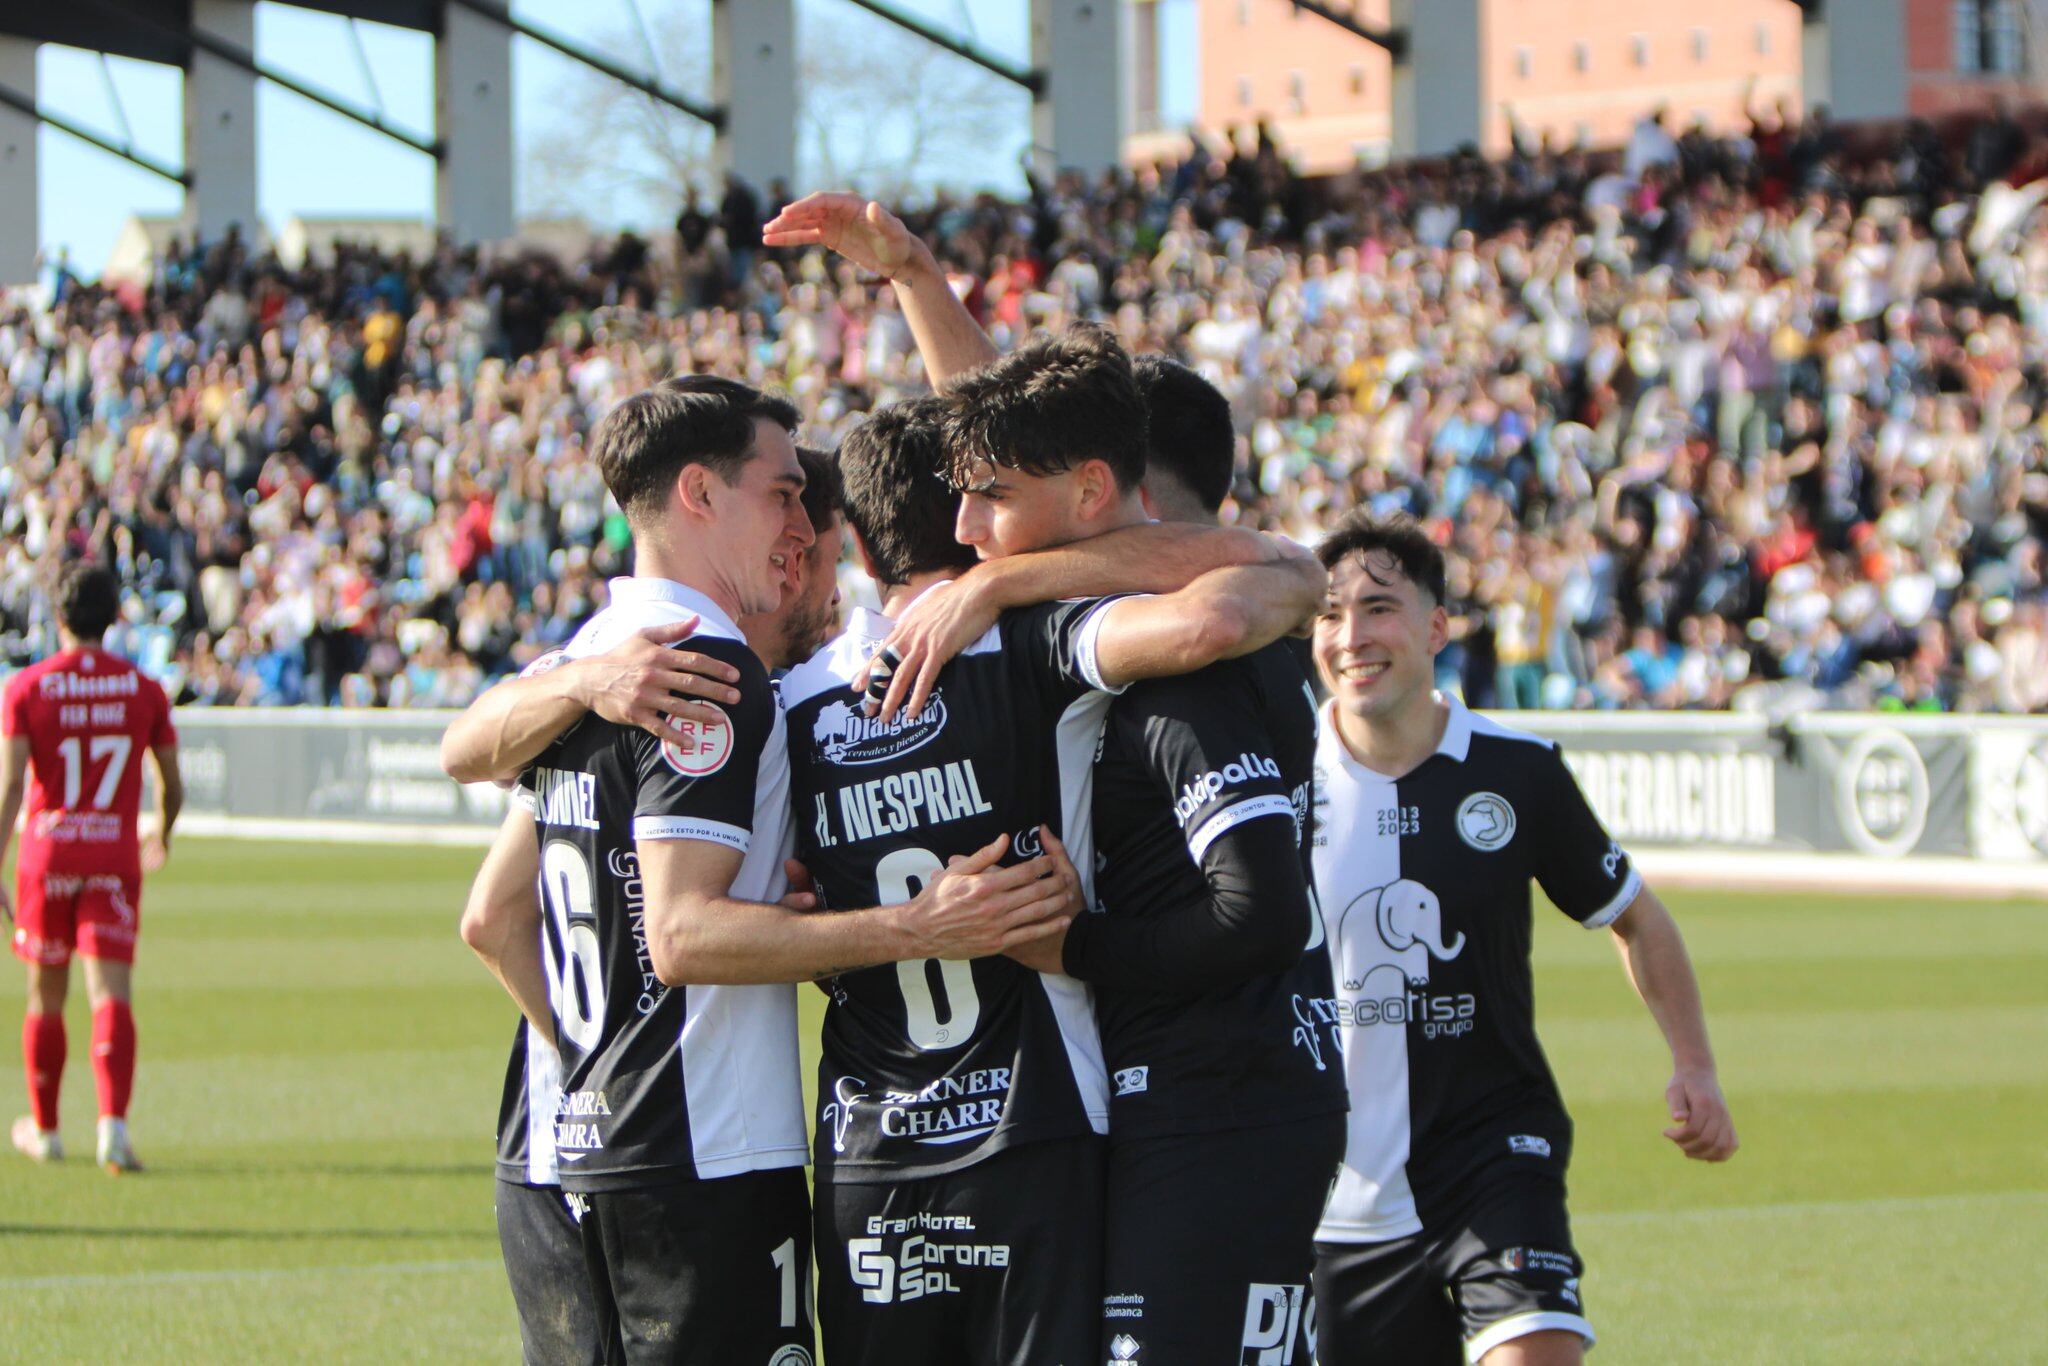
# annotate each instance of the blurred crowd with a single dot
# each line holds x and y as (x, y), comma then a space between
(1754, 420)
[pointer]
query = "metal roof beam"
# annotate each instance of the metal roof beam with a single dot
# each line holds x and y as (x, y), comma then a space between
(653, 89)
(15, 99)
(1031, 80)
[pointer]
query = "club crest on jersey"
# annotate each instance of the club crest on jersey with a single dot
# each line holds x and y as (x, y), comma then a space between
(790, 1356)
(1486, 821)
(847, 735)
(700, 748)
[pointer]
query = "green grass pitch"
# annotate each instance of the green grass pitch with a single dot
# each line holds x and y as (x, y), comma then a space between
(321, 1060)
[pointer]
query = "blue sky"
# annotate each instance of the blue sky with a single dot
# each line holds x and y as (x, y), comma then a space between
(310, 160)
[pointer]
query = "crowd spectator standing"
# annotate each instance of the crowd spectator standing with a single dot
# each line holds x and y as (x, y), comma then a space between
(1704, 421)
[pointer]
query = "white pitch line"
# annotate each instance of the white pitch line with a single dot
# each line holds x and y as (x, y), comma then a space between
(241, 1274)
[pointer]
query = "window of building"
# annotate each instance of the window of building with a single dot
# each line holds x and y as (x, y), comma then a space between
(1762, 40)
(1699, 45)
(1297, 92)
(1357, 82)
(1990, 37)
(1639, 49)
(1582, 57)
(1525, 62)
(1244, 92)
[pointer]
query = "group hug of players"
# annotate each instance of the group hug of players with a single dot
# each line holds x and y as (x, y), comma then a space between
(1175, 1017)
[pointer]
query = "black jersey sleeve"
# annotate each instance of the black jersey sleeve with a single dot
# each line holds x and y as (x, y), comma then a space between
(1055, 642)
(700, 785)
(1580, 866)
(1202, 739)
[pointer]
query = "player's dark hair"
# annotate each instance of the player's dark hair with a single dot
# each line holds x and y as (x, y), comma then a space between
(88, 600)
(642, 445)
(1358, 532)
(896, 496)
(824, 496)
(1048, 406)
(1190, 435)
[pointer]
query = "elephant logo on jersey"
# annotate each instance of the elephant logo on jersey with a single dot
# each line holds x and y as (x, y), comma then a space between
(1486, 821)
(839, 1114)
(845, 734)
(1409, 919)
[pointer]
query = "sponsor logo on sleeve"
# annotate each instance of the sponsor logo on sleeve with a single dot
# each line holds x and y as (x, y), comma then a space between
(1486, 821)
(1204, 788)
(1124, 1348)
(1131, 1080)
(1528, 1145)
(700, 748)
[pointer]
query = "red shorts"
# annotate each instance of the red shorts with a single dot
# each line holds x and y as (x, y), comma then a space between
(94, 914)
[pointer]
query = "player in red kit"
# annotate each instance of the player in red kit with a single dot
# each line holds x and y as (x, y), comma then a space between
(76, 727)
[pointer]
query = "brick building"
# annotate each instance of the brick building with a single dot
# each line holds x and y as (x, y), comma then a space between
(1586, 68)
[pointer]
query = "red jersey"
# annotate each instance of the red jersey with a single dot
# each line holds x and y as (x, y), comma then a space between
(88, 716)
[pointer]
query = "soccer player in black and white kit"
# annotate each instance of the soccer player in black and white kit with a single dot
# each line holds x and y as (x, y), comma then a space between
(1446, 1237)
(681, 1121)
(644, 681)
(959, 1169)
(1227, 1110)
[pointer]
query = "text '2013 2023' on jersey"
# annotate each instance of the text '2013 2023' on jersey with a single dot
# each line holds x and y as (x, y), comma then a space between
(1425, 889)
(663, 1084)
(929, 1066)
(1202, 802)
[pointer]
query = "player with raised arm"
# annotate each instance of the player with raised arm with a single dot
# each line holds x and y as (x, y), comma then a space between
(76, 727)
(1226, 1122)
(956, 1096)
(681, 1125)
(1446, 1237)
(537, 1226)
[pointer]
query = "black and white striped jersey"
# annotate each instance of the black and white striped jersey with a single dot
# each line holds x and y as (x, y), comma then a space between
(663, 1084)
(1425, 890)
(526, 1111)
(1201, 811)
(930, 1066)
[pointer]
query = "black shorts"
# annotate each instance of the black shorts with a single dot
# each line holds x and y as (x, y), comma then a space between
(705, 1273)
(996, 1265)
(550, 1284)
(1211, 1242)
(1504, 1269)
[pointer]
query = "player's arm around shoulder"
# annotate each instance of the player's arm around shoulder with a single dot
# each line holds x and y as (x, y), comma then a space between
(1156, 557)
(1221, 615)
(644, 681)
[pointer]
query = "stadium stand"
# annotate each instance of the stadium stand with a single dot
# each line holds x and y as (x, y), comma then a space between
(1755, 421)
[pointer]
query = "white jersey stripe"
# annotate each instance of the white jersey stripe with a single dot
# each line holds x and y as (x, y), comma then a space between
(1230, 817)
